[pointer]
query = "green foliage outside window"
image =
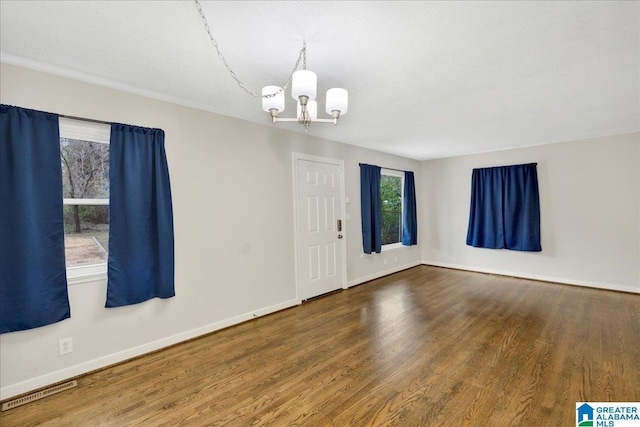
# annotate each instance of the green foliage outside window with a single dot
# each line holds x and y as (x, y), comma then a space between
(391, 196)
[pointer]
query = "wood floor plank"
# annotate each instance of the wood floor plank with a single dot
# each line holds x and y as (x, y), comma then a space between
(424, 347)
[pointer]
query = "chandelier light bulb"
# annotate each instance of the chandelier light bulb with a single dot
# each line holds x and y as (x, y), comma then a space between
(275, 102)
(303, 83)
(337, 100)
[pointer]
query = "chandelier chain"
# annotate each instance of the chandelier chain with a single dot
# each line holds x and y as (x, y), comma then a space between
(302, 56)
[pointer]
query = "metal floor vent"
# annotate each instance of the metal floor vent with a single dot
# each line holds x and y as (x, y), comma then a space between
(38, 395)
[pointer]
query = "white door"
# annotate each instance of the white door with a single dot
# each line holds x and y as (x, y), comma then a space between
(320, 227)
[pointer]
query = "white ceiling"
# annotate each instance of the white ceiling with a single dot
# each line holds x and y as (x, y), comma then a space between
(425, 79)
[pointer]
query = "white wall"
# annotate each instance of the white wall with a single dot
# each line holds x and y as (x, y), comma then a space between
(232, 186)
(590, 215)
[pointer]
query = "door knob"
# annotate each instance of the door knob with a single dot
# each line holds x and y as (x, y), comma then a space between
(339, 236)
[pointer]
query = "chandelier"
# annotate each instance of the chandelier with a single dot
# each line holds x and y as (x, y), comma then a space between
(303, 90)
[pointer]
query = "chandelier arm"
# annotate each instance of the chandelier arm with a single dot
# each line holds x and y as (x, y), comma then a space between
(334, 121)
(301, 55)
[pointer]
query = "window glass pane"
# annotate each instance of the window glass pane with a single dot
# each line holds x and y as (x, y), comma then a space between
(85, 169)
(391, 194)
(86, 234)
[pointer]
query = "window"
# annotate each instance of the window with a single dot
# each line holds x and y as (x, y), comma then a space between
(391, 191)
(387, 208)
(84, 154)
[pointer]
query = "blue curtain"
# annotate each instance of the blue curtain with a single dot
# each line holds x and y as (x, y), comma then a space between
(141, 248)
(33, 280)
(371, 208)
(486, 227)
(409, 215)
(505, 208)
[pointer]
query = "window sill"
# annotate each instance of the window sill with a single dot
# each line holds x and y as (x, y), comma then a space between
(392, 247)
(88, 273)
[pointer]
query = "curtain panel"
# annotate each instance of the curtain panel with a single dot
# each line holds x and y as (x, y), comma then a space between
(33, 281)
(409, 215)
(505, 208)
(370, 208)
(141, 240)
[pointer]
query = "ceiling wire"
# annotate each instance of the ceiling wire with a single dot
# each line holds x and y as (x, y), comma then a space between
(302, 56)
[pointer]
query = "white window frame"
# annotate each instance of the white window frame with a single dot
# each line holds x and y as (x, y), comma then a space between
(399, 174)
(90, 132)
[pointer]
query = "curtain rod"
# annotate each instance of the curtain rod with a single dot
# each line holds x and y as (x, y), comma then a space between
(84, 119)
(383, 167)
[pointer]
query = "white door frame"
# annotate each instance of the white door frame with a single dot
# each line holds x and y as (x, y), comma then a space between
(296, 236)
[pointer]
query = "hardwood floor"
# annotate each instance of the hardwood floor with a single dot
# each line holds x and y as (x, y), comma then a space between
(424, 347)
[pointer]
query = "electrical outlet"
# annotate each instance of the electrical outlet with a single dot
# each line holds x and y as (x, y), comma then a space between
(66, 346)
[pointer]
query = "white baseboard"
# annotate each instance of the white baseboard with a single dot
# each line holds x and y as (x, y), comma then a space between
(379, 274)
(111, 359)
(535, 277)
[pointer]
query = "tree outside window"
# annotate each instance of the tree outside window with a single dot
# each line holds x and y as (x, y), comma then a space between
(391, 196)
(85, 177)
